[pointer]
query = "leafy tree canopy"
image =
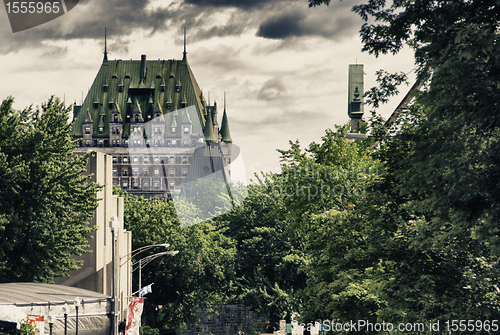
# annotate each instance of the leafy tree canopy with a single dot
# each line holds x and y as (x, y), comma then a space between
(199, 276)
(45, 201)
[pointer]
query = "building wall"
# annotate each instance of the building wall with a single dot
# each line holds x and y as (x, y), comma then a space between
(95, 274)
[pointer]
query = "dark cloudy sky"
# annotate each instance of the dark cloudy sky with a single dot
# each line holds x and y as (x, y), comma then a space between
(283, 64)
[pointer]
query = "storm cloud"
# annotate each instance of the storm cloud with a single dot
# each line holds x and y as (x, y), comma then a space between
(204, 19)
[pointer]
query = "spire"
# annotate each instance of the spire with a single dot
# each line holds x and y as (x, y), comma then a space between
(208, 132)
(224, 128)
(184, 54)
(105, 60)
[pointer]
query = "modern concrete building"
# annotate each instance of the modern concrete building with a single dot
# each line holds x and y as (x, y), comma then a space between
(96, 272)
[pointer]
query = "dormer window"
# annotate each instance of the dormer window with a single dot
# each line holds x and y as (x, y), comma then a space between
(173, 130)
(186, 130)
(87, 130)
(169, 105)
(101, 130)
(116, 117)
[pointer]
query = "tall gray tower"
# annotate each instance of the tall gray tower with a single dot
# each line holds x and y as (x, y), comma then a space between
(355, 95)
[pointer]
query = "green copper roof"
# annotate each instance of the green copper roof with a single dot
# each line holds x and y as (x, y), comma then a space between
(209, 130)
(186, 118)
(224, 129)
(125, 85)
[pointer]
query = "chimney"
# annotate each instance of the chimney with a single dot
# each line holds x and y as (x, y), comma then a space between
(143, 67)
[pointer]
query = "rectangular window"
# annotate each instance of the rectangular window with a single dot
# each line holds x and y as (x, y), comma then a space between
(174, 142)
(145, 185)
(135, 185)
(145, 160)
(157, 160)
(135, 160)
(186, 130)
(145, 172)
(184, 160)
(156, 185)
(125, 160)
(125, 185)
(125, 172)
(173, 130)
(157, 172)
(171, 185)
(115, 173)
(172, 160)
(115, 159)
(171, 172)
(184, 172)
(135, 172)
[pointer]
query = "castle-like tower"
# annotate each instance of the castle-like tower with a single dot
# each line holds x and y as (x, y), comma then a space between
(151, 116)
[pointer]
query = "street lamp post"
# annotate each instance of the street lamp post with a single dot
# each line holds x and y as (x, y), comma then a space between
(148, 259)
(66, 311)
(77, 305)
(114, 225)
(51, 322)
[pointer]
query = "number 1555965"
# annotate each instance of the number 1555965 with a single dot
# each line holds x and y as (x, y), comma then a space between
(32, 7)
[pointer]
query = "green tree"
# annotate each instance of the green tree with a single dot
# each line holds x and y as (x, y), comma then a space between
(199, 276)
(45, 202)
(268, 257)
(329, 191)
(441, 184)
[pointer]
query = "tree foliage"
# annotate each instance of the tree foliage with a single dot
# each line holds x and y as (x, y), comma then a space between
(45, 202)
(268, 257)
(440, 191)
(199, 276)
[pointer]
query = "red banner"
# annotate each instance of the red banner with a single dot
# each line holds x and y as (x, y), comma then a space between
(38, 322)
(134, 315)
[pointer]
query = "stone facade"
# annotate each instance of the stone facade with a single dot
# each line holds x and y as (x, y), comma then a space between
(230, 320)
